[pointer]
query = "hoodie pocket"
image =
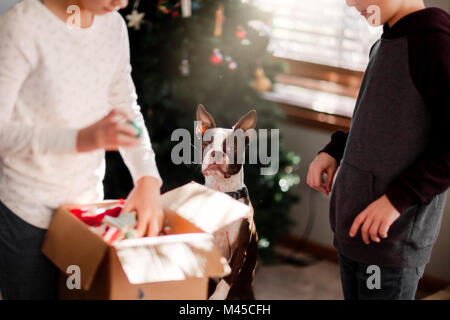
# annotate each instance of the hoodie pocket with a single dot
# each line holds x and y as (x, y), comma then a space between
(427, 222)
(353, 191)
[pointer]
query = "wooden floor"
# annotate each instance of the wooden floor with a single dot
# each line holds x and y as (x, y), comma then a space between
(441, 295)
(300, 276)
(319, 281)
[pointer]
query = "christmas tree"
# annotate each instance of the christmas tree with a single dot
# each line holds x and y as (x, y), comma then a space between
(211, 52)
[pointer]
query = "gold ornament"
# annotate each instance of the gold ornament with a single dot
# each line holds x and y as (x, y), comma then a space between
(220, 18)
(261, 82)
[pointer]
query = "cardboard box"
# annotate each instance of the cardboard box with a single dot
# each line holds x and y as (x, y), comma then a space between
(175, 266)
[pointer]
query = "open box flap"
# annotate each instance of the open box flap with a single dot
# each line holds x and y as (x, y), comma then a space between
(68, 242)
(171, 258)
(208, 209)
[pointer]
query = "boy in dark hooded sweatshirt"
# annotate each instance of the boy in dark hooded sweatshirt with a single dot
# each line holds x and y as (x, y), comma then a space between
(388, 198)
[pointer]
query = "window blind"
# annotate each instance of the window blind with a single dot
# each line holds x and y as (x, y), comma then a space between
(325, 32)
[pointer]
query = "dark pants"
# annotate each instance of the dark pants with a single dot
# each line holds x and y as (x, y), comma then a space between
(25, 273)
(359, 281)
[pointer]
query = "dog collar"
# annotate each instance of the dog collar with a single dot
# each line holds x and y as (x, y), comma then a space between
(241, 193)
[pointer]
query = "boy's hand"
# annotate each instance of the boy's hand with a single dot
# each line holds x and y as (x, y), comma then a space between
(145, 199)
(107, 133)
(375, 220)
(323, 163)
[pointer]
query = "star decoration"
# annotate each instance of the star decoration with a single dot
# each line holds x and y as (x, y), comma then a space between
(135, 19)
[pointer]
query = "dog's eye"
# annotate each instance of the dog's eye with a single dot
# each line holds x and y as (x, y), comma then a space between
(206, 142)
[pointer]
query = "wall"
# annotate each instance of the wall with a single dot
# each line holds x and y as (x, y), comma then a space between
(6, 4)
(444, 4)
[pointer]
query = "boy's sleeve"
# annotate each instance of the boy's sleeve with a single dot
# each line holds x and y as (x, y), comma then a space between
(430, 174)
(336, 146)
(17, 138)
(140, 159)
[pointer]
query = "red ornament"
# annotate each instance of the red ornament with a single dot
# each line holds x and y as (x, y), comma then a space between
(216, 57)
(241, 33)
(232, 65)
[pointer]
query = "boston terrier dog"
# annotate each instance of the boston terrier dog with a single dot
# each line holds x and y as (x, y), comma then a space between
(238, 242)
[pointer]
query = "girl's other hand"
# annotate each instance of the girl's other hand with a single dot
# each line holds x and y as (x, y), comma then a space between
(145, 199)
(108, 134)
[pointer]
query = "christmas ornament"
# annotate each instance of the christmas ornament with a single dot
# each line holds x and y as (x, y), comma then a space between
(122, 119)
(263, 28)
(232, 65)
(162, 7)
(195, 6)
(175, 11)
(125, 222)
(216, 57)
(184, 68)
(261, 82)
(241, 33)
(186, 8)
(137, 128)
(219, 21)
(135, 19)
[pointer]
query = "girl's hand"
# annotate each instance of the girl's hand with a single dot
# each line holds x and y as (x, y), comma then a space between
(145, 199)
(323, 163)
(375, 220)
(107, 133)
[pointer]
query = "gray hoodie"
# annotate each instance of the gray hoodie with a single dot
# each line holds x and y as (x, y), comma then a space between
(398, 143)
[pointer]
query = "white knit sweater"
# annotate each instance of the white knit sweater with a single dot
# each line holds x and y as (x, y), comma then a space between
(53, 82)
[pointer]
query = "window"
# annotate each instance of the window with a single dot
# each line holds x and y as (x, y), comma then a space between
(325, 32)
(327, 45)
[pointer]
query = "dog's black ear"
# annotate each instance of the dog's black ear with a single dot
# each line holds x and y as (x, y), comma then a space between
(207, 121)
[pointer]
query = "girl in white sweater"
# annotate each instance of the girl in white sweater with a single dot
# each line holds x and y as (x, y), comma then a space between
(62, 90)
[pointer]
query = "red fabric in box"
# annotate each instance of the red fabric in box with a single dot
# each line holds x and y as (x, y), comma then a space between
(97, 219)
